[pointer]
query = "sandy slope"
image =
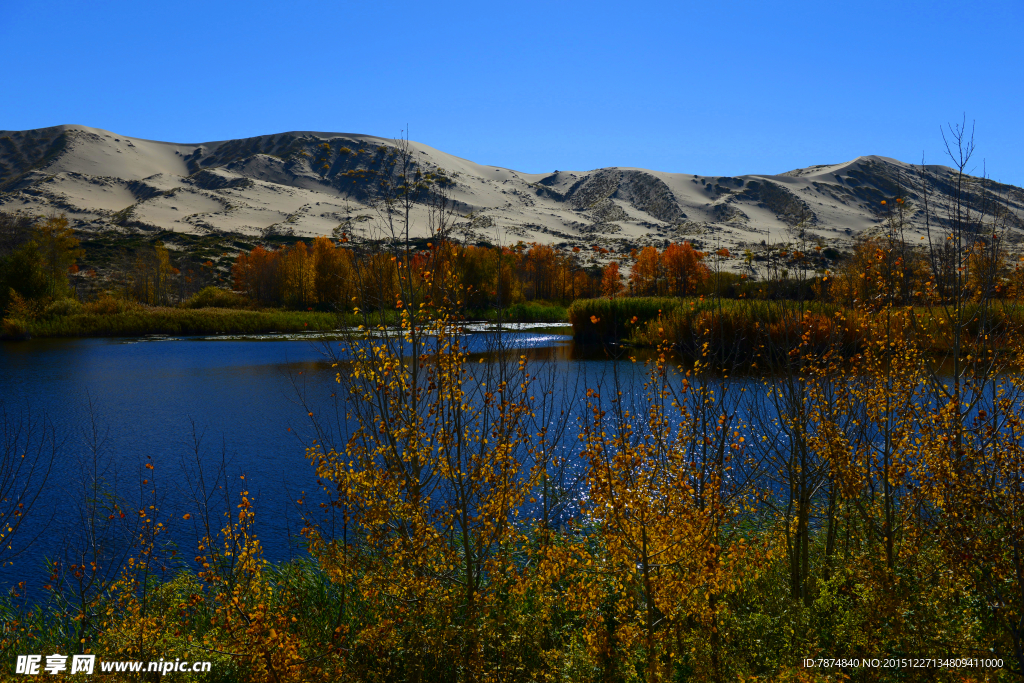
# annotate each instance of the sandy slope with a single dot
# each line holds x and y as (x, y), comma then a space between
(292, 183)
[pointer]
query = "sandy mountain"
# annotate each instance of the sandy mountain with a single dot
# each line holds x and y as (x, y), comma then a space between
(308, 184)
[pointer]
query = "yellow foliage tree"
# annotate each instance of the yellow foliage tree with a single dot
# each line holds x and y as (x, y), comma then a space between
(58, 249)
(662, 511)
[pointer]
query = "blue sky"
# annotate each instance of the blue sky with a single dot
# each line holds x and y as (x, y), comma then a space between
(715, 88)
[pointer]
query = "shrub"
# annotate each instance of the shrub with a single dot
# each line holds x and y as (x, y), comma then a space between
(22, 307)
(62, 307)
(215, 297)
(13, 328)
(109, 305)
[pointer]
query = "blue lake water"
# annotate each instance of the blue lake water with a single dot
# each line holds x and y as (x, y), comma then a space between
(246, 403)
(231, 407)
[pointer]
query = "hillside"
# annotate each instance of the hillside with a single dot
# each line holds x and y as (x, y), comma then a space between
(307, 184)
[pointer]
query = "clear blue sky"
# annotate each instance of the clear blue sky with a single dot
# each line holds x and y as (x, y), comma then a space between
(714, 87)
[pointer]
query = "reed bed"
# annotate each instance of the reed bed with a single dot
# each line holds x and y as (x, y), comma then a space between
(772, 329)
(527, 312)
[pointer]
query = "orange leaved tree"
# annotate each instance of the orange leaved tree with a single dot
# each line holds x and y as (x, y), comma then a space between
(611, 281)
(684, 268)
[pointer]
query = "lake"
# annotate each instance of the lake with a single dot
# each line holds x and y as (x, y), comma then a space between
(115, 405)
(160, 411)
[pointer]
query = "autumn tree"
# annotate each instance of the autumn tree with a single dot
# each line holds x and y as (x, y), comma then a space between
(662, 504)
(684, 269)
(433, 483)
(192, 276)
(611, 281)
(257, 274)
(972, 419)
(298, 276)
(541, 266)
(151, 275)
(333, 274)
(646, 277)
(22, 277)
(59, 249)
(582, 286)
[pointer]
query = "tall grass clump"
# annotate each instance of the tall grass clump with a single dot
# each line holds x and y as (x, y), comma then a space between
(616, 319)
(528, 312)
(752, 329)
(701, 327)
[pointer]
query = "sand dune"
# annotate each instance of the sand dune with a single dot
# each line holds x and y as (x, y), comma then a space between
(301, 183)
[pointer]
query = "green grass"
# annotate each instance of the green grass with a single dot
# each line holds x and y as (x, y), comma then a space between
(527, 312)
(181, 321)
(212, 311)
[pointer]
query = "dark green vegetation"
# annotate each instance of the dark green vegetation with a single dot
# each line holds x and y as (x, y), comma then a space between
(109, 317)
(526, 312)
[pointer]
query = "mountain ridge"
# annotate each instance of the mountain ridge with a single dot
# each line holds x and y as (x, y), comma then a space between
(309, 183)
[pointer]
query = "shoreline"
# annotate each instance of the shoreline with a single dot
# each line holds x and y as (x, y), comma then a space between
(139, 321)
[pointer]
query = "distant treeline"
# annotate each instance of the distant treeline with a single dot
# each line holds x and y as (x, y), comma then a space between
(39, 267)
(327, 274)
